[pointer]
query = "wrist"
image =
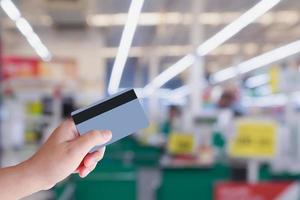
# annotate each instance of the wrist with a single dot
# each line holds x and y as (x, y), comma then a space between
(20, 181)
(34, 179)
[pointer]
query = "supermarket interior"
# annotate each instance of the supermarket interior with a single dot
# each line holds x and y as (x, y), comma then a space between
(219, 82)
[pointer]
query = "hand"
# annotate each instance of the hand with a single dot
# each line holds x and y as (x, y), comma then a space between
(65, 152)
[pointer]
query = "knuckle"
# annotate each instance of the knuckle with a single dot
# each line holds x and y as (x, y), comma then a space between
(70, 150)
(66, 123)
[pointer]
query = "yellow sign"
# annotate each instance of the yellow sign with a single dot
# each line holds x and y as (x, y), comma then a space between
(34, 108)
(181, 143)
(274, 79)
(254, 139)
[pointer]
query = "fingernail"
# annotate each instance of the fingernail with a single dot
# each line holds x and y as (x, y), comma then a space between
(97, 159)
(85, 173)
(106, 134)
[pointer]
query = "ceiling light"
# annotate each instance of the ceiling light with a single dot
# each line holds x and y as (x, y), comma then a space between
(224, 74)
(169, 73)
(236, 26)
(180, 92)
(43, 52)
(10, 9)
(33, 39)
(24, 27)
(257, 62)
(257, 80)
(269, 57)
(215, 41)
(125, 44)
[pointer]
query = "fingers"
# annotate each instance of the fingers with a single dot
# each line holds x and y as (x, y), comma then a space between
(89, 162)
(83, 144)
(92, 158)
(84, 171)
(66, 131)
(86, 142)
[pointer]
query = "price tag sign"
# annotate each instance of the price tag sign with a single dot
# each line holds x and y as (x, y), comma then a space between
(181, 143)
(254, 139)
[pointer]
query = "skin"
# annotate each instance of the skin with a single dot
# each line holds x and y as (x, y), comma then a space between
(64, 153)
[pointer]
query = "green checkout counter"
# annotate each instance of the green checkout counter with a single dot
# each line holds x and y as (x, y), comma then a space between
(117, 177)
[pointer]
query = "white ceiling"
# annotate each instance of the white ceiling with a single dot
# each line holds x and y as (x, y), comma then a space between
(170, 34)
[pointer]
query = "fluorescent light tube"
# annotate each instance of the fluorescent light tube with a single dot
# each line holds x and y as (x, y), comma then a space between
(225, 34)
(125, 44)
(35, 42)
(258, 62)
(269, 57)
(33, 39)
(236, 26)
(180, 92)
(43, 52)
(257, 80)
(10, 9)
(169, 73)
(224, 74)
(24, 27)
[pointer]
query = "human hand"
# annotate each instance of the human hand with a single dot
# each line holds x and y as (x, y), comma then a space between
(65, 152)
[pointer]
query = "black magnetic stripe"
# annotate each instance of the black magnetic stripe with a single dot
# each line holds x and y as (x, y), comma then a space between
(104, 106)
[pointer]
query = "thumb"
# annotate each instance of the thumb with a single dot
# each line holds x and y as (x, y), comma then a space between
(91, 139)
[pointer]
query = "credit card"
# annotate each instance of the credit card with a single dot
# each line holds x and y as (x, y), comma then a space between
(121, 113)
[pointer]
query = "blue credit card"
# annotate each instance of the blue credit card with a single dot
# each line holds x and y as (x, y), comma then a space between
(122, 114)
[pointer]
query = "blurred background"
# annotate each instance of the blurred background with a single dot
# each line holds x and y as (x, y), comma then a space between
(219, 81)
